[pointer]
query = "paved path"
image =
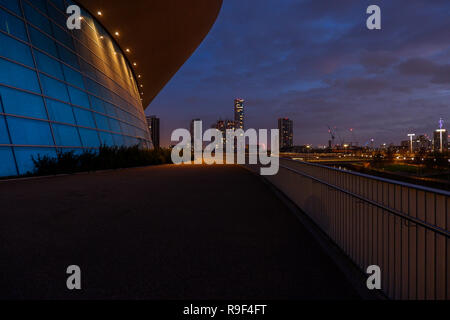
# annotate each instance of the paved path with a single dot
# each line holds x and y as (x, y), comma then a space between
(159, 233)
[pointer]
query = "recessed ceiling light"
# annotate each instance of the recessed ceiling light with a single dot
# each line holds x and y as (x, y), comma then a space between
(128, 50)
(99, 13)
(134, 64)
(117, 33)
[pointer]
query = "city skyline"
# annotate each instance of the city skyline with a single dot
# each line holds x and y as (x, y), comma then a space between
(383, 84)
(345, 137)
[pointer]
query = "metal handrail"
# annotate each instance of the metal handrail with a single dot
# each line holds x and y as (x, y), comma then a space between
(400, 183)
(393, 211)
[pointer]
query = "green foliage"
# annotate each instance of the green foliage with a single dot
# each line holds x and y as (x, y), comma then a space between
(102, 159)
(437, 160)
(405, 168)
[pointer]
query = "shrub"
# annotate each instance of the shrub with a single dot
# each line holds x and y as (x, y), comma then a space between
(102, 159)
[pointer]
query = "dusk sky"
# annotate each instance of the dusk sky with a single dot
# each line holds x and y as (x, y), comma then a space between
(315, 62)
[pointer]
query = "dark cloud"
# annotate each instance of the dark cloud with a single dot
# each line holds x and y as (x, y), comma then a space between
(365, 86)
(418, 67)
(378, 61)
(442, 75)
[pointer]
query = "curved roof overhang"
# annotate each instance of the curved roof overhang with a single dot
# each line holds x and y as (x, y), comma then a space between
(161, 34)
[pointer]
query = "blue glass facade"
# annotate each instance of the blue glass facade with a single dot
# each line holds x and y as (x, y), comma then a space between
(61, 90)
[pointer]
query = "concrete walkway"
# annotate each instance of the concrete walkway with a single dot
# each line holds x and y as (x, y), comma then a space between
(190, 232)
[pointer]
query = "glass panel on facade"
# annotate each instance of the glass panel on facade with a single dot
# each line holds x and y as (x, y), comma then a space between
(49, 65)
(15, 50)
(12, 25)
(54, 88)
(78, 97)
(84, 118)
(22, 103)
(24, 157)
(66, 136)
(29, 132)
(12, 5)
(7, 165)
(60, 112)
(18, 76)
(89, 138)
(4, 137)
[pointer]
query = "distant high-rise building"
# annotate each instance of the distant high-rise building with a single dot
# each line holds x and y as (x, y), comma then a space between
(230, 125)
(440, 141)
(219, 125)
(223, 126)
(423, 143)
(406, 144)
(153, 128)
(286, 133)
(239, 113)
(440, 145)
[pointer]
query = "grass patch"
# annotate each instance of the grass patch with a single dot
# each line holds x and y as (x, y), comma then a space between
(104, 158)
(405, 168)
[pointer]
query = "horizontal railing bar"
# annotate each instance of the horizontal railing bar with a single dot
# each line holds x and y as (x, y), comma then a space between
(393, 211)
(400, 183)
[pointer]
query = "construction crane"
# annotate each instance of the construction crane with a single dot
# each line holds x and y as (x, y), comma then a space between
(334, 133)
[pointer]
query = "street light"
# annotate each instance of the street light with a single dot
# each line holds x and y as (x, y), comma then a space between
(411, 135)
